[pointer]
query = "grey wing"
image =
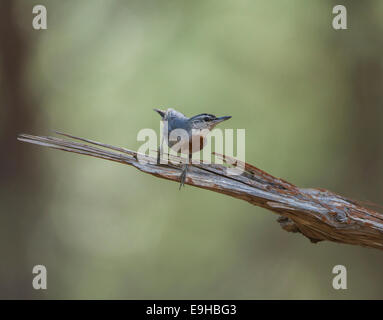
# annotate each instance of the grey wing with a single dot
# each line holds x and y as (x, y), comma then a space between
(177, 123)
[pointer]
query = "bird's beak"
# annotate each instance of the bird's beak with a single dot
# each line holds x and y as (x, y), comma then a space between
(160, 112)
(221, 119)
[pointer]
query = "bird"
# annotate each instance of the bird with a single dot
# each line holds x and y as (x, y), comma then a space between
(195, 131)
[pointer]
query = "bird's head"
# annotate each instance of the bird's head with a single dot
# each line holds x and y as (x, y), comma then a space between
(206, 121)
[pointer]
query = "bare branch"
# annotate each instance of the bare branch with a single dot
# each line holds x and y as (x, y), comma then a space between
(318, 214)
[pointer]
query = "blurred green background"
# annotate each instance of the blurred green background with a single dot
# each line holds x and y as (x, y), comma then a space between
(309, 97)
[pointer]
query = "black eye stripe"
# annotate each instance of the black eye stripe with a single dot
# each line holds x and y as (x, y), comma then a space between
(203, 117)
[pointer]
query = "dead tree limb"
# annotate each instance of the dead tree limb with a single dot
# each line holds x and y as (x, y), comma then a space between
(318, 214)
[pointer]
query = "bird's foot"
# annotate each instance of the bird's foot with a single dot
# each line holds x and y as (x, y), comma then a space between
(183, 176)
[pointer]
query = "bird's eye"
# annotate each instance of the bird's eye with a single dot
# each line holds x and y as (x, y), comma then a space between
(206, 119)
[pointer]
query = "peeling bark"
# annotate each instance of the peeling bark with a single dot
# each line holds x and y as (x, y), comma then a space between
(318, 214)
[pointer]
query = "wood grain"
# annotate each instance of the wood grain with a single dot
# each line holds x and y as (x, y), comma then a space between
(318, 214)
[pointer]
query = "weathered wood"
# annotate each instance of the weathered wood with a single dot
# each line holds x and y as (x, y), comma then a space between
(318, 214)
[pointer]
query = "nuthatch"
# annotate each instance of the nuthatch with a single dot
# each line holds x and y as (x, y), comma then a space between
(195, 128)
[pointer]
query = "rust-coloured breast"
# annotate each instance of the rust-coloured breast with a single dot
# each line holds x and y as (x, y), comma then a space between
(195, 147)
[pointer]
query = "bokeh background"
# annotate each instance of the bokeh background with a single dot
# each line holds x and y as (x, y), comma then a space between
(309, 97)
